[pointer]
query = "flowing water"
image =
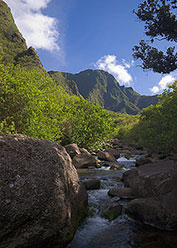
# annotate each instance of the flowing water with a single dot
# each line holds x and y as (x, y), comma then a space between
(123, 232)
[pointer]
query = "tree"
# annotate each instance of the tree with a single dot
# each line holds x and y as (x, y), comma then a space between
(88, 124)
(160, 24)
(33, 104)
(156, 127)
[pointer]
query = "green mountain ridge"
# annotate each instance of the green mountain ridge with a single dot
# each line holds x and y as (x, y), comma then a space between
(101, 87)
(69, 85)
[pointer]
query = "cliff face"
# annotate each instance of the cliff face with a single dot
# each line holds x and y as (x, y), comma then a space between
(13, 48)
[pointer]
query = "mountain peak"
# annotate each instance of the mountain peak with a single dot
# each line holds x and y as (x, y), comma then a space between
(101, 87)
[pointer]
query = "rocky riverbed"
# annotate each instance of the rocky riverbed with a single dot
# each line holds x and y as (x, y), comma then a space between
(122, 231)
(135, 205)
(131, 194)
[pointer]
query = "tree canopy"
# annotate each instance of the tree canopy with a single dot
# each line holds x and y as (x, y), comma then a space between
(160, 24)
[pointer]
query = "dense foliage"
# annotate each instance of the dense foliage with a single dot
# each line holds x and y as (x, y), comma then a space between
(124, 123)
(32, 103)
(156, 126)
(160, 24)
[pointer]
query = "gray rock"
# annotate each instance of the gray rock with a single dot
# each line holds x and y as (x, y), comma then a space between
(91, 184)
(83, 150)
(151, 211)
(84, 160)
(113, 152)
(112, 211)
(41, 198)
(72, 149)
(143, 160)
(152, 179)
(125, 193)
(106, 156)
(129, 176)
(155, 186)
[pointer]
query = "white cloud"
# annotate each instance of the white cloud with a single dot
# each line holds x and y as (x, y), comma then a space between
(155, 89)
(109, 63)
(163, 83)
(40, 31)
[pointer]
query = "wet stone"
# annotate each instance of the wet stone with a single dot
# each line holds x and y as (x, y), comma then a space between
(125, 193)
(112, 211)
(91, 184)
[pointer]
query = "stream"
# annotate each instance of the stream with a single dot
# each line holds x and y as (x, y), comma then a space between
(123, 232)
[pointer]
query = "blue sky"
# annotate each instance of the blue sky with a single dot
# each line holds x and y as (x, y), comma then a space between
(74, 35)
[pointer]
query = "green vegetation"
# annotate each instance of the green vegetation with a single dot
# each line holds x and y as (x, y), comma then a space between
(31, 103)
(102, 88)
(11, 40)
(13, 47)
(88, 123)
(54, 106)
(124, 123)
(39, 105)
(156, 126)
(69, 85)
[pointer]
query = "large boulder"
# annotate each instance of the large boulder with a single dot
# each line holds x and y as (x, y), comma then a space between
(42, 200)
(151, 180)
(151, 211)
(155, 187)
(84, 160)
